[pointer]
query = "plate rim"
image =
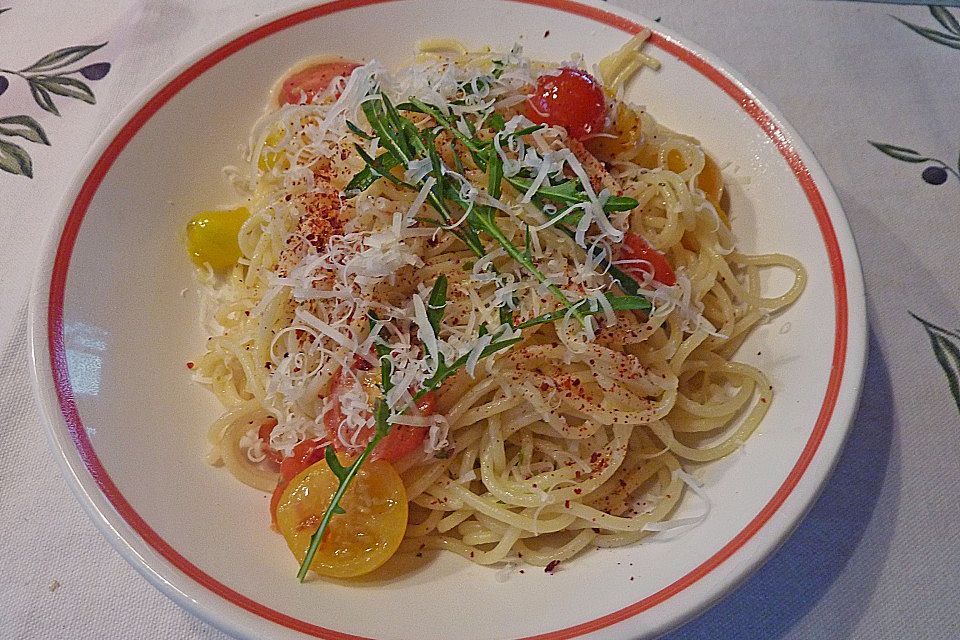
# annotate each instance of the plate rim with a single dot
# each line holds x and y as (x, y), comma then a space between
(242, 617)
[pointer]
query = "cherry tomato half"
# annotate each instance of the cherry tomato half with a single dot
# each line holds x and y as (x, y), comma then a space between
(402, 439)
(264, 434)
(306, 453)
(212, 237)
(710, 180)
(636, 248)
(313, 80)
(356, 541)
(572, 99)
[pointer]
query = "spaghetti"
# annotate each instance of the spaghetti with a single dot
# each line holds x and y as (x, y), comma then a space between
(592, 295)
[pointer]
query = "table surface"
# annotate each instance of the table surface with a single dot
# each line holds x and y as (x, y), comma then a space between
(878, 556)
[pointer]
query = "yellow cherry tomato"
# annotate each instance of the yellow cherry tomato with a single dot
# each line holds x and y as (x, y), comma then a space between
(212, 237)
(269, 159)
(357, 541)
(710, 181)
(627, 132)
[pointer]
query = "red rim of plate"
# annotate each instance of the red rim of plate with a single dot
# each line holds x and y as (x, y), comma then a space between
(89, 188)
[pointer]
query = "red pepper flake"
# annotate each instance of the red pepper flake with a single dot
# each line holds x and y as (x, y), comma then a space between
(190, 365)
(552, 566)
(566, 503)
(578, 491)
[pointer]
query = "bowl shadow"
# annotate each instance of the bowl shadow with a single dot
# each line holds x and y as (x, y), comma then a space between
(834, 558)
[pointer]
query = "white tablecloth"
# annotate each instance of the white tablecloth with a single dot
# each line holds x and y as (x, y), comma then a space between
(878, 557)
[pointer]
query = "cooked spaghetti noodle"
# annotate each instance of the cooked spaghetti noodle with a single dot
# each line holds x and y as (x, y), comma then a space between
(575, 436)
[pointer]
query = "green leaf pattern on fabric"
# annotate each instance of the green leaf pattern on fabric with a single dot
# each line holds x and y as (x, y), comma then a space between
(946, 348)
(52, 76)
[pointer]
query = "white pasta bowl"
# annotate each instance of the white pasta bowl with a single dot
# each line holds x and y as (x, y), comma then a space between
(114, 322)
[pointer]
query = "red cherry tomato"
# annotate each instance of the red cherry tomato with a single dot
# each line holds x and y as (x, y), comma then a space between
(402, 439)
(636, 248)
(313, 80)
(573, 99)
(304, 454)
(264, 434)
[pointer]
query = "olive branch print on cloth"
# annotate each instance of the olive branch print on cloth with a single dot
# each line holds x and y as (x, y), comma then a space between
(945, 343)
(950, 37)
(55, 74)
(937, 171)
(946, 347)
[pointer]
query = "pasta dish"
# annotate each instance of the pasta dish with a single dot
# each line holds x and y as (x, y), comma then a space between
(479, 303)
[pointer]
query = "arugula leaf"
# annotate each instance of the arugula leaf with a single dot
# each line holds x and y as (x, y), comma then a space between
(475, 151)
(494, 173)
(367, 176)
(627, 282)
(345, 478)
(382, 349)
(381, 414)
(437, 303)
(456, 159)
(620, 203)
(485, 221)
(331, 457)
(395, 121)
(570, 192)
(446, 371)
(528, 130)
(358, 131)
(380, 169)
(388, 137)
(618, 303)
